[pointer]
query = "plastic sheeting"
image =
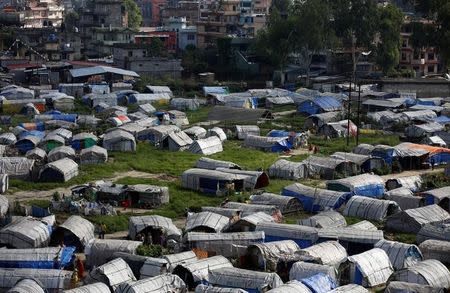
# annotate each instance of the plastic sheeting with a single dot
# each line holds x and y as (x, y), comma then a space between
(271, 253)
(26, 286)
(304, 236)
(119, 140)
(319, 283)
(286, 204)
(243, 130)
(61, 152)
(326, 253)
(327, 219)
(436, 249)
(159, 284)
(37, 258)
(80, 227)
(428, 272)
(370, 208)
(59, 171)
(270, 144)
(91, 288)
(206, 146)
(25, 233)
(199, 269)
(400, 254)
(139, 223)
(153, 267)
(350, 288)
(365, 184)
(112, 273)
(217, 131)
(211, 164)
(371, 268)
(249, 209)
(211, 289)
(404, 198)
(100, 250)
(301, 270)
(288, 170)
(16, 167)
(49, 279)
(93, 155)
(206, 221)
(4, 205)
(401, 287)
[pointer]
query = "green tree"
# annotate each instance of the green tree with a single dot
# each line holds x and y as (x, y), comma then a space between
(71, 21)
(391, 19)
(134, 14)
(156, 48)
(193, 60)
(282, 6)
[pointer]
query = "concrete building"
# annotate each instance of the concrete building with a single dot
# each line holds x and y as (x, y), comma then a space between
(104, 39)
(186, 9)
(151, 11)
(147, 34)
(43, 13)
(186, 35)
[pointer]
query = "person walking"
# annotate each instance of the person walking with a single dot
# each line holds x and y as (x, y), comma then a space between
(102, 231)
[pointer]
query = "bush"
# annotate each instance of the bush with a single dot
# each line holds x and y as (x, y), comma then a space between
(151, 250)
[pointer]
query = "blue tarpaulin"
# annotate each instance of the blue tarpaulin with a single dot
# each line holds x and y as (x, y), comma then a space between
(319, 283)
(312, 202)
(60, 261)
(319, 105)
(442, 119)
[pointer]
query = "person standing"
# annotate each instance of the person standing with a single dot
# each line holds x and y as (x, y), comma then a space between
(102, 231)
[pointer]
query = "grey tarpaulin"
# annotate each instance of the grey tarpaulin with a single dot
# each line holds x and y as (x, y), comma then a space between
(265, 256)
(217, 131)
(206, 221)
(370, 208)
(196, 132)
(153, 267)
(302, 270)
(25, 233)
(229, 213)
(327, 253)
(80, 227)
(327, 219)
(286, 204)
(350, 288)
(412, 220)
(249, 209)
(139, 223)
(119, 140)
(404, 198)
(373, 265)
(437, 231)
(179, 258)
(112, 273)
(49, 279)
(428, 272)
(99, 250)
(91, 288)
(93, 155)
(159, 284)
(350, 234)
(288, 170)
(61, 152)
(291, 287)
(248, 223)
(206, 146)
(243, 130)
(400, 254)
(211, 289)
(436, 249)
(4, 205)
(211, 164)
(27, 286)
(402, 287)
(59, 171)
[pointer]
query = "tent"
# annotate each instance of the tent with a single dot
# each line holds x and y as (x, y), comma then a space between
(211, 164)
(370, 208)
(155, 99)
(398, 287)
(112, 273)
(159, 284)
(366, 163)
(36, 154)
(302, 270)
(326, 253)
(428, 272)
(438, 231)
(387, 153)
(413, 183)
(243, 130)
(353, 239)
(225, 244)
(217, 131)
(50, 279)
(423, 130)
(27, 142)
(176, 141)
(27, 286)
(316, 121)
(268, 144)
(350, 288)
(316, 199)
(148, 196)
(338, 129)
(240, 278)
(93, 155)
(8, 138)
(137, 130)
(230, 213)
(412, 220)
(411, 156)
(59, 153)
(25, 233)
(364, 225)
(206, 146)
(400, 254)
(196, 132)
(212, 181)
(439, 196)
(211, 289)
(253, 180)
(155, 225)
(286, 204)
(319, 104)
(326, 219)
(288, 170)
(249, 223)
(16, 167)
(365, 184)
(75, 231)
(270, 256)
(371, 268)
(152, 267)
(95, 287)
(206, 222)
(118, 120)
(249, 209)
(291, 287)
(175, 259)
(302, 235)
(185, 104)
(59, 171)
(319, 283)
(99, 251)
(329, 168)
(119, 140)
(436, 249)
(193, 273)
(404, 198)
(37, 258)
(4, 205)
(62, 132)
(136, 262)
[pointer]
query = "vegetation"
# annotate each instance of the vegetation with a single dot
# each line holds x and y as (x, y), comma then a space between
(134, 13)
(151, 250)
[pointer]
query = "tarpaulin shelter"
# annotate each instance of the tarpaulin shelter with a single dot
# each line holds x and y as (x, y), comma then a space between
(428, 272)
(436, 249)
(302, 235)
(59, 171)
(119, 140)
(176, 141)
(404, 198)
(201, 288)
(206, 146)
(155, 225)
(196, 132)
(423, 130)
(155, 99)
(27, 286)
(439, 196)
(75, 231)
(316, 121)
(249, 223)
(320, 104)
(329, 168)
(8, 138)
(426, 153)
(370, 208)
(371, 268)
(206, 222)
(364, 184)
(61, 152)
(249, 209)
(37, 258)
(99, 251)
(217, 131)
(148, 196)
(156, 134)
(178, 258)
(50, 279)
(326, 219)
(16, 167)
(366, 163)
(268, 144)
(353, 239)
(326, 253)
(270, 256)
(288, 170)
(93, 155)
(319, 283)
(27, 142)
(399, 287)
(211, 164)
(112, 273)
(291, 287)
(253, 180)
(243, 130)
(152, 267)
(412, 183)
(159, 284)
(302, 270)
(400, 254)
(185, 104)
(350, 288)
(230, 213)
(4, 205)
(212, 181)
(338, 129)
(26, 233)
(98, 287)
(438, 231)
(286, 204)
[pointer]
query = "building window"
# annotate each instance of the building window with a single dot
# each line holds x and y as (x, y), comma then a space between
(191, 37)
(404, 43)
(430, 56)
(431, 69)
(130, 53)
(403, 57)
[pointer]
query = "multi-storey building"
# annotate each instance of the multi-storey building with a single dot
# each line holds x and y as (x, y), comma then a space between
(147, 34)
(43, 13)
(181, 9)
(151, 11)
(186, 35)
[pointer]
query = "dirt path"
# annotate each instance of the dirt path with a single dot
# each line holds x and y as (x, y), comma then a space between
(47, 194)
(412, 173)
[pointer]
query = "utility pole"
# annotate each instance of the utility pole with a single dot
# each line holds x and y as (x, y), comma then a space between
(348, 112)
(358, 113)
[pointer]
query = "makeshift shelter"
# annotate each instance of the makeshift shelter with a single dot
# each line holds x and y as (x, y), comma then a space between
(36, 154)
(329, 168)
(237, 115)
(211, 289)
(339, 129)
(193, 273)
(364, 225)
(180, 258)
(152, 267)
(371, 268)
(319, 104)
(269, 256)
(95, 287)
(420, 115)
(365, 184)
(16, 167)
(423, 130)
(412, 220)
(387, 153)
(211, 90)
(285, 204)
(316, 121)
(154, 225)
(196, 132)
(302, 235)
(411, 156)
(399, 287)
(138, 131)
(27, 142)
(25, 233)
(326, 253)
(148, 196)
(326, 219)
(93, 155)
(59, 153)
(27, 286)
(350, 288)
(288, 170)
(206, 222)
(439, 196)
(243, 130)
(253, 180)
(249, 223)
(404, 198)
(37, 258)
(291, 287)
(185, 104)
(4, 205)
(206, 146)
(50, 279)
(59, 171)
(225, 244)
(112, 273)
(366, 163)
(438, 231)
(319, 283)
(99, 250)
(157, 133)
(436, 249)
(7, 138)
(302, 270)
(212, 181)
(75, 231)
(412, 183)
(217, 131)
(400, 254)
(211, 164)
(428, 272)
(155, 99)
(268, 144)
(316, 199)
(353, 239)
(370, 208)
(119, 120)
(156, 89)
(230, 213)
(159, 284)
(119, 140)
(176, 141)
(434, 140)
(249, 209)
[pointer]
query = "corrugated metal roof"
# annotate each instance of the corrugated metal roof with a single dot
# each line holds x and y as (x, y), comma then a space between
(87, 71)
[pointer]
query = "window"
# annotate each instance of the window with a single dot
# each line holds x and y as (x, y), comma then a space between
(130, 53)
(144, 53)
(430, 56)
(191, 37)
(404, 43)
(403, 57)
(431, 69)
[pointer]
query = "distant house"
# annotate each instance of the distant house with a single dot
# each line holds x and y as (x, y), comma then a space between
(320, 104)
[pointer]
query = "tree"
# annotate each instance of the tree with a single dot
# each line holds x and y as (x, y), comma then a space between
(156, 48)
(71, 21)
(391, 19)
(282, 6)
(134, 14)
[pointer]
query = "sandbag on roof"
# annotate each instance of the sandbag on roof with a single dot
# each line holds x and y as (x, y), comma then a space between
(371, 268)
(288, 170)
(436, 249)
(302, 235)
(246, 279)
(100, 250)
(25, 233)
(81, 228)
(428, 272)
(138, 224)
(211, 164)
(412, 220)
(159, 284)
(91, 288)
(400, 254)
(206, 222)
(327, 253)
(27, 286)
(364, 184)
(401, 287)
(206, 146)
(217, 131)
(50, 279)
(286, 204)
(112, 273)
(59, 171)
(370, 208)
(327, 219)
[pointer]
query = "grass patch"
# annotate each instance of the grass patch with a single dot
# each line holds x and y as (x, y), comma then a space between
(199, 115)
(42, 203)
(112, 223)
